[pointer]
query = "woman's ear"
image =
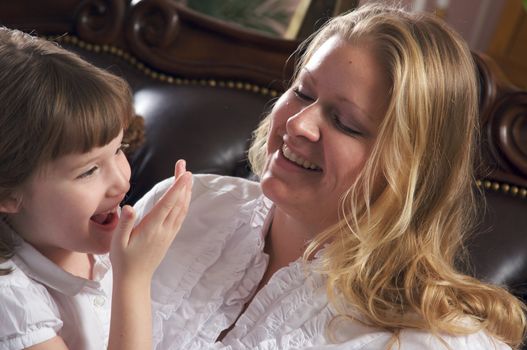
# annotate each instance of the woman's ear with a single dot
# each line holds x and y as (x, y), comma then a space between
(11, 204)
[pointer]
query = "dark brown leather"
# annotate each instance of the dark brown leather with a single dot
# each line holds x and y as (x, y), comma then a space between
(499, 245)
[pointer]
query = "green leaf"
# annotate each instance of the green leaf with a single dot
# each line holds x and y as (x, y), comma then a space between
(525, 4)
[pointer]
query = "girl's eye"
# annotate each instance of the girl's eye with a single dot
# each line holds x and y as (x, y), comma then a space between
(122, 147)
(344, 128)
(298, 93)
(88, 173)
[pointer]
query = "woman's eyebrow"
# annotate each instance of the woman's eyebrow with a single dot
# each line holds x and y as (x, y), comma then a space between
(308, 74)
(365, 116)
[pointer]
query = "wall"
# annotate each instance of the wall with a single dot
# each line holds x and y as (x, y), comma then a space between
(475, 20)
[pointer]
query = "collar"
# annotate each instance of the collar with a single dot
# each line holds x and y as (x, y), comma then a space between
(41, 269)
(262, 215)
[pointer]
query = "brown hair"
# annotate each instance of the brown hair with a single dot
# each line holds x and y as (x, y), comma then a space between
(52, 103)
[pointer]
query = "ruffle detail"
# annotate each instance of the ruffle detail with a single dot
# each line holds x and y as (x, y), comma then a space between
(211, 278)
(290, 312)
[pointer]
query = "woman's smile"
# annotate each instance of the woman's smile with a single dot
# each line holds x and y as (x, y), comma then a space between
(298, 160)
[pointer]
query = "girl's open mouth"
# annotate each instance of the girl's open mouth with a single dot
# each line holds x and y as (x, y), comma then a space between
(107, 220)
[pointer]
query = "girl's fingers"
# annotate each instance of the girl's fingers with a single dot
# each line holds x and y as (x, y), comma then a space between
(179, 168)
(179, 211)
(173, 203)
(169, 199)
(124, 227)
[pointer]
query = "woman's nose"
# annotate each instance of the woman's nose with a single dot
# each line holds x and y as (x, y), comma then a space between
(306, 123)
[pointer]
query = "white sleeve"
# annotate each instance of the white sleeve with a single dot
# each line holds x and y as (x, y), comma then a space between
(29, 315)
(145, 204)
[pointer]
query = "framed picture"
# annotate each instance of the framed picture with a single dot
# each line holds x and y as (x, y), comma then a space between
(289, 19)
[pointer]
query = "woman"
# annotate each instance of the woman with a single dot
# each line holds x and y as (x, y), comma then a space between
(365, 166)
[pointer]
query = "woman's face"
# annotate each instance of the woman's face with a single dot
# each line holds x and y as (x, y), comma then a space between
(322, 131)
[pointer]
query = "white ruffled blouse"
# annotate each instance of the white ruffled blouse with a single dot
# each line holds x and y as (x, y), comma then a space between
(215, 265)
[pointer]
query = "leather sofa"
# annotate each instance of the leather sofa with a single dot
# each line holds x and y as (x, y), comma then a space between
(201, 86)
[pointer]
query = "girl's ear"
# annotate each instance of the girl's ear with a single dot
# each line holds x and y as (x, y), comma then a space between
(11, 204)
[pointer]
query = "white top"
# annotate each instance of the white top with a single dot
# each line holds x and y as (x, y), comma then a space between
(39, 300)
(216, 263)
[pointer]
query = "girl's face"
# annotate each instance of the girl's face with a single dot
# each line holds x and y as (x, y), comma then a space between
(71, 205)
(322, 131)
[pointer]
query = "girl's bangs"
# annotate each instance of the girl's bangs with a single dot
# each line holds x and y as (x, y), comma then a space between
(93, 119)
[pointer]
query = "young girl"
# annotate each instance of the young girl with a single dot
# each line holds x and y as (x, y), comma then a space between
(62, 176)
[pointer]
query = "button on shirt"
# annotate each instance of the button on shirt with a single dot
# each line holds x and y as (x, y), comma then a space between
(39, 300)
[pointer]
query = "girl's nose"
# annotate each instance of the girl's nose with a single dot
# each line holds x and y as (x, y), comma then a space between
(120, 179)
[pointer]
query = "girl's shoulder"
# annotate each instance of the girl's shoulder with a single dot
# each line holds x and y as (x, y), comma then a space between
(29, 313)
(16, 278)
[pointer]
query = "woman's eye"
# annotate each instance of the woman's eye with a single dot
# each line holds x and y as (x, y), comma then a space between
(346, 129)
(298, 93)
(88, 173)
(122, 147)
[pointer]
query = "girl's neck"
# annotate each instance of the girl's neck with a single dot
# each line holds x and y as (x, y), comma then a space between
(78, 264)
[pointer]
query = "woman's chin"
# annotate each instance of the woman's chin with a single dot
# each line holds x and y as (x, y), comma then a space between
(274, 189)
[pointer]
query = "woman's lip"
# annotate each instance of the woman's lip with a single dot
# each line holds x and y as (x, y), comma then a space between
(281, 162)
(296, 158)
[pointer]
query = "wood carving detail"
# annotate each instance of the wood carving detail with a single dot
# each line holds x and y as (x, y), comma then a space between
(503, 112)
(509, 130)
(151, 24)
(100, 21)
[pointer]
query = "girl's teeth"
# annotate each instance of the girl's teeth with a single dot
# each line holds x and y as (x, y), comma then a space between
(297, 159)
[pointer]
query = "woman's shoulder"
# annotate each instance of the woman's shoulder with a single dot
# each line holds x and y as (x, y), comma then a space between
(237, 187)
(214, 189)
(417, 340)
(29, 314)
(225, 219)
(214, 264)
(363, 337)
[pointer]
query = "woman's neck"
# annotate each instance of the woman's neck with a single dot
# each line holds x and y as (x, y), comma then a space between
(286, 240)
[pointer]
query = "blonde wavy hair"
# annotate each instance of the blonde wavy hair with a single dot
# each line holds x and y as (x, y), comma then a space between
(392, 254)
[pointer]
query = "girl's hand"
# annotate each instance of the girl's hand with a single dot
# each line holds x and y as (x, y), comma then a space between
(135, 253)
